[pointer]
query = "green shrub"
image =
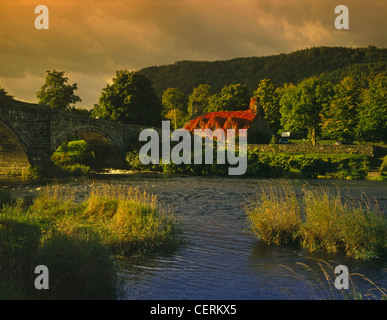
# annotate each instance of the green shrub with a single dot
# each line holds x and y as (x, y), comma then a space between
(71, 158)
(73, 152)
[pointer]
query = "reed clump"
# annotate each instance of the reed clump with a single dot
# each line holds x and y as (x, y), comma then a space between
(132, 220)
(275, 214)
(321, 220)
(78, 241)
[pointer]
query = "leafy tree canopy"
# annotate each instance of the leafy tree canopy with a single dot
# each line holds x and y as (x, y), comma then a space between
(200, 95)
(372, 124)
(177, 117)
(56, 93)
(268, 98)
(302, 106)
(174, 104)
(341, 117)
(172, 99)
(4, 95)
(232, 98)
(129, 99)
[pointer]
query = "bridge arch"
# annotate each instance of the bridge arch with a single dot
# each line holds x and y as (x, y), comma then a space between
(14, 157)
(105, 151)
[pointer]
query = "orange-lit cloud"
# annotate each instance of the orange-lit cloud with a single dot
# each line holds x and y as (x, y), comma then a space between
(91, 39)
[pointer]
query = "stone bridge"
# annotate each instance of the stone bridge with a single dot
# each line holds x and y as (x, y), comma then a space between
(30, 134)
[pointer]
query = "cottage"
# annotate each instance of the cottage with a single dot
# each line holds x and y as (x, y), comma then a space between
(257, 129)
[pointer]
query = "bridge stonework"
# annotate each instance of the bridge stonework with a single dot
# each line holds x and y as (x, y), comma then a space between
(30, 134)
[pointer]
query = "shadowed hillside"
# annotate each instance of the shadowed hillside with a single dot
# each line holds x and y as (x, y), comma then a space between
(333, 62)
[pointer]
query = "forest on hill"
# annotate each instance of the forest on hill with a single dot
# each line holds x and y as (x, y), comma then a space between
(330, 63)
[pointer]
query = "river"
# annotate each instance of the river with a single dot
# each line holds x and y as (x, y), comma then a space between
(221, 258)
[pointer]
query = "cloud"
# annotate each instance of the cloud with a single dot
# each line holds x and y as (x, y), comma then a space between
(91, 39)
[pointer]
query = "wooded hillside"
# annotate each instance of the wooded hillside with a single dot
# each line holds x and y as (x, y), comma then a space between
(332, 62)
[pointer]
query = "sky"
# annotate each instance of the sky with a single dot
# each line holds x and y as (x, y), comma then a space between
(91, 39)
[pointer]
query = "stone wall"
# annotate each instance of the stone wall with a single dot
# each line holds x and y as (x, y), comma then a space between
(322, 149)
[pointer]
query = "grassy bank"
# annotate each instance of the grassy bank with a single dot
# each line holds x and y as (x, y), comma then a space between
(272, 165)
(78, 241)
(320, 220)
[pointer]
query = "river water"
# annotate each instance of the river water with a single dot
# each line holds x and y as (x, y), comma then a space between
(221, 258)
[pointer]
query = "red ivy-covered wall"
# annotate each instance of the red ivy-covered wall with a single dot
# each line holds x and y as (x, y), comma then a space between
(224, 119)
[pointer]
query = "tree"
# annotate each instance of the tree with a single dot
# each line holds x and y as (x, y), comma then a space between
(268, 98)
(302, 106)
(4, 95)
(173, 99)
(129, 99)
(288, 119)
(177, 117)
(200, 95)
(232, 98)
(372, 124)
(56, 93)
(340, 120)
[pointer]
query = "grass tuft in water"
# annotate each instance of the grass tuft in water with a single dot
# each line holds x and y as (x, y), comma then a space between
(321, 220)
(275, 214)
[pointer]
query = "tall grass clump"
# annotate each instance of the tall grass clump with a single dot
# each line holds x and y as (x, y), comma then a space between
(275, 214)
(321, 229)
(78, 241)
(321, 220)
(133, 221)
(334, 224)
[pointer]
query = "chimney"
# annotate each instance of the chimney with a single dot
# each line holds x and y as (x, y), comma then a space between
(253, 105)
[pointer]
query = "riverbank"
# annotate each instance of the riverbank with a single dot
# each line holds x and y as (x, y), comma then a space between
(77, 239)
(279, 165)
(75, 158)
